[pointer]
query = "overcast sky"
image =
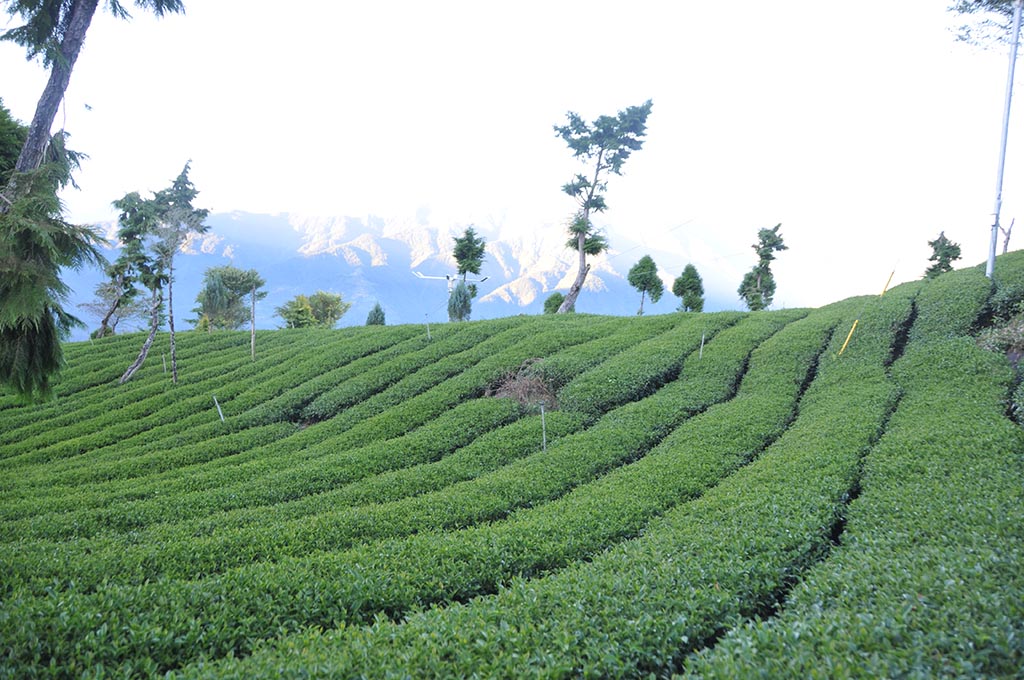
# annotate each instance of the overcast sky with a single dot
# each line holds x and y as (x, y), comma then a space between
(864, 128)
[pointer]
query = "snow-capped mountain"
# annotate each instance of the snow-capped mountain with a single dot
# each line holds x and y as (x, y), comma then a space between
(371, 259)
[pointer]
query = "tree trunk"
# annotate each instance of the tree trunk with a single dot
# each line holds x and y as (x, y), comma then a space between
(574, 290)
(642, 294)
(105, 323)
(569, 303)
(1006, 234)
(33, 150)
(154, 323)
(113, 308)
(170, 322)
(252, 325)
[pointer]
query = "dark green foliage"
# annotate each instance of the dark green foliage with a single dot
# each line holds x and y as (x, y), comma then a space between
(553, 302)
(12, 136)
(757, 290)
(35, 244)
(689, 287)
(376, 316)
(644, 277)
(944, 253)
(469, 252)
(460, 303)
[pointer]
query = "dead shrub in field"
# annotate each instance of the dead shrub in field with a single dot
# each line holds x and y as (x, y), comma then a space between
(525, 384)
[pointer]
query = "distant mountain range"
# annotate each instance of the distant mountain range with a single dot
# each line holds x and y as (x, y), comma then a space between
(374, 259)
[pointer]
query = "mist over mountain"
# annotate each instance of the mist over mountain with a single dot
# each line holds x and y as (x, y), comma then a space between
(371, 259)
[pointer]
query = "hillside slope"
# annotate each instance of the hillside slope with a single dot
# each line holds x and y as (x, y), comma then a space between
(718, 495)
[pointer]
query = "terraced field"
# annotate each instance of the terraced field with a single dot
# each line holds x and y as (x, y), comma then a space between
(711, 495)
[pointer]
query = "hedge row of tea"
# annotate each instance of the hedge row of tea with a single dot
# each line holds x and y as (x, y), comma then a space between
(751, 498)
(718, 494)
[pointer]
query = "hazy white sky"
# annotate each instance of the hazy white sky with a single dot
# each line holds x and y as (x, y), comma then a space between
(864, 128)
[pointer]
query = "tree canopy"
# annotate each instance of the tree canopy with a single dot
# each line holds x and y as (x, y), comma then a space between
(986, 21)
(689, 287)
(12, 138)
(644, 277)
(376, 316)
(36, 243)
(757, 290)
(321, 309)
(553, 302)
(944, 252)
(469, 252)
(604, 146)
(54, 31)
(152, 231)
(110, 307)
(223, 301)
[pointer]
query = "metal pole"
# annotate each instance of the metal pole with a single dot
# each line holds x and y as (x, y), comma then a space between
(990, 266)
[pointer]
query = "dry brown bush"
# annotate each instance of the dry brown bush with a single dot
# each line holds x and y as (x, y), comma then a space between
(526, 385)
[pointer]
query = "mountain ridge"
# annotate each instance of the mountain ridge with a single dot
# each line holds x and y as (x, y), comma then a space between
(372, 259)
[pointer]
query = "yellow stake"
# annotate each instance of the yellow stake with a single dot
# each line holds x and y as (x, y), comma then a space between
(857, 320)
(849, 335)
(887, 283)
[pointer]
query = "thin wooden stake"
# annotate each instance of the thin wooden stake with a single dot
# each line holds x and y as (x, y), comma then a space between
(219, 412)
(543, 428)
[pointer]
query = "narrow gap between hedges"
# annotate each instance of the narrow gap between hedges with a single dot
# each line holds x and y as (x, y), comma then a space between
(902, 337)
(774, 605)
(396, 615)
(771, 608)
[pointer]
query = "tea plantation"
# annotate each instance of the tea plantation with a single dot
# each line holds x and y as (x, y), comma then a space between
(722, 495)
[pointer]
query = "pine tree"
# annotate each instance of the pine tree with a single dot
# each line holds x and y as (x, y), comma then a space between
(36, 243)
(459, 303)
(376, 316)
(944, 252)
(469, 254)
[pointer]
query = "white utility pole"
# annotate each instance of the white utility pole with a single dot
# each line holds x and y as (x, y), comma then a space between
(1015, 31)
